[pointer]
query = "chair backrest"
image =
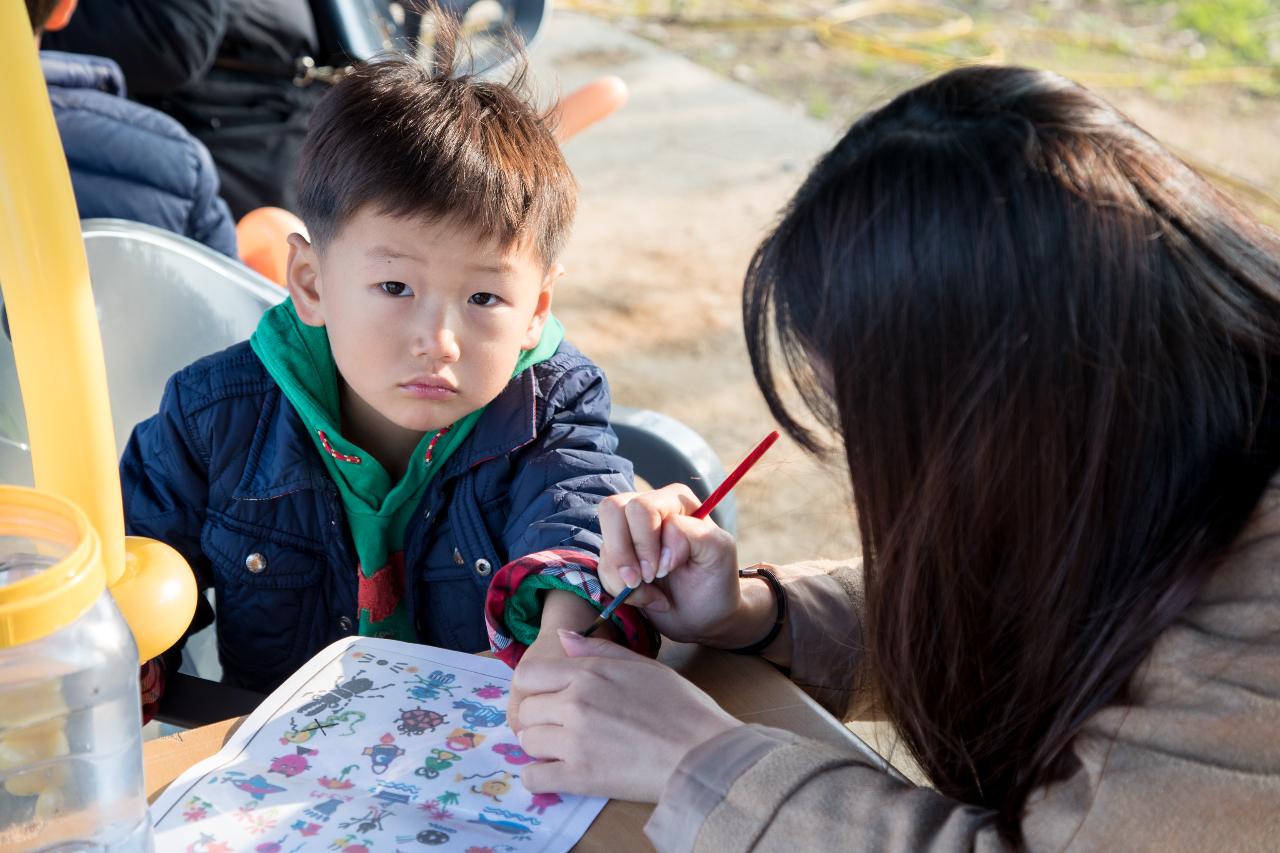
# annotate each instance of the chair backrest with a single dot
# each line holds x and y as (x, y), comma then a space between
(163, 301)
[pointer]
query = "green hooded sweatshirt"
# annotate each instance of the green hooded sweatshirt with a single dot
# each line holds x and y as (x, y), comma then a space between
(378, 511)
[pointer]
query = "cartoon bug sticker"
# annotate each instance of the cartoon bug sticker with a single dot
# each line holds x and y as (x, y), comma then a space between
(461, 740)
(513, 828)
(437, 762)
(207, 843)
(332, 724)
(382, 753)
(196, 809)
(341, 695)
(494, 789)
(372, 819)
(480, 716)
(512, 753)
(341, 783)
(416, 721)
(323, 811)
(255, 786)
(291, 765)
(432, 686)
(542, 802)
(401, 793)
(433, 836)
(394, 666)
(494, 810)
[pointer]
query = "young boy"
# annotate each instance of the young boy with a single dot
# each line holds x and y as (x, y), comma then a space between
(410, 420)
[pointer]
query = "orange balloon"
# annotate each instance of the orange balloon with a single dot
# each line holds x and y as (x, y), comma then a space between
(584, 107)
(262, 236)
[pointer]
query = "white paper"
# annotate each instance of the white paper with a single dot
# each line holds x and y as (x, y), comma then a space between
(373, 745)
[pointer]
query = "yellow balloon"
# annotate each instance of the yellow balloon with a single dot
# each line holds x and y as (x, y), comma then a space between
(58, 349)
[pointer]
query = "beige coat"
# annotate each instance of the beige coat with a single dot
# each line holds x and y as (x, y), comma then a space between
(1192, 764)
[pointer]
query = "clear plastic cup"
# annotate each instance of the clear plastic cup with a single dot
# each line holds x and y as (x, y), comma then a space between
(70, 718)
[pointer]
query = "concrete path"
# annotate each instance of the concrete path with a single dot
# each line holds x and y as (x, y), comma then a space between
(677, 189)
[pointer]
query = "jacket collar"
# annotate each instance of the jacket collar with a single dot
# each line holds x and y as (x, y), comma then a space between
(282, 458)
(80, 71)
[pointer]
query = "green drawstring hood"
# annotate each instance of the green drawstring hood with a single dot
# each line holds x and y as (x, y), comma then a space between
(300, 361)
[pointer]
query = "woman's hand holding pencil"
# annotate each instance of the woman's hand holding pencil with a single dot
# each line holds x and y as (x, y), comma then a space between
(682, 567)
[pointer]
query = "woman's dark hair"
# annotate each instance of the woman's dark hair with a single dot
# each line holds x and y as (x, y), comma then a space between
(1049, 349)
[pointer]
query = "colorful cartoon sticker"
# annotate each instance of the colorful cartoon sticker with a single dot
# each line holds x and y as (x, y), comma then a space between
(382, 753)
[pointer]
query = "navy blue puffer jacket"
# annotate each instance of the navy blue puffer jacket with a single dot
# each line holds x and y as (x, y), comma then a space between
(129, 161)
(226, 472)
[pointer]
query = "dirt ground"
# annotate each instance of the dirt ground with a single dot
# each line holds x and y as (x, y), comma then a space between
(655, 271)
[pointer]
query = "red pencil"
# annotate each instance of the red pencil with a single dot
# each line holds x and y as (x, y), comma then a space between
(703, 510)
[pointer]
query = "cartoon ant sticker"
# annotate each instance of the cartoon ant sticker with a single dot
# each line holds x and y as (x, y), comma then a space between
(416, 721)
(461, 740)
(432, 686)
(480, 716)
(382, 753)
(437, 762)
(341, 695)
(494, 789)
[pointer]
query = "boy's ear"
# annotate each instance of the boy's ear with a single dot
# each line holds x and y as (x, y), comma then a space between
(543, 308)
(304, 280)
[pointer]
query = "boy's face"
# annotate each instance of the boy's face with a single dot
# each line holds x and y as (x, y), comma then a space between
(426, 320)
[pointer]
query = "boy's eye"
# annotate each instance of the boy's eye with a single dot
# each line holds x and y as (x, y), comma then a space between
(484, 299)
(395, 288)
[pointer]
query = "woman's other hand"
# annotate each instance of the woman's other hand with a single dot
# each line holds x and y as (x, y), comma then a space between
(608, 722)
(560, 609)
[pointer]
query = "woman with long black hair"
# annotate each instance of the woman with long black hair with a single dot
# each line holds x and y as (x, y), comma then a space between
(1050, 355)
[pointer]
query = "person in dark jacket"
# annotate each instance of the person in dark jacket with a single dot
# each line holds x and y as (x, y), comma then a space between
(239, 75)
(410, 428)
(126, 160)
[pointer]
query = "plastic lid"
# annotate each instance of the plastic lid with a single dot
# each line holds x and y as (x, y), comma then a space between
(51, 569)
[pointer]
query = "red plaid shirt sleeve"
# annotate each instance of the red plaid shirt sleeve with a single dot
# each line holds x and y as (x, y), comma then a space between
(509, 607)
(151, 680)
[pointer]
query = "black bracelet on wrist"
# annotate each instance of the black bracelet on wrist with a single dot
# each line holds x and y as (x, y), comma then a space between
(779, 595)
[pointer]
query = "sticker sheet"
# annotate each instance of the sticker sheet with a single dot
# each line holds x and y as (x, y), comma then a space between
(373, 745)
